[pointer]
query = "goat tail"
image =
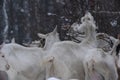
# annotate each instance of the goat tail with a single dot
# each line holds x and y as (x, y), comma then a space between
(90, 71)
(50, 67)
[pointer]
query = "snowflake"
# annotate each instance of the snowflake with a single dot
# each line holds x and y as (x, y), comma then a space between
(113, 23)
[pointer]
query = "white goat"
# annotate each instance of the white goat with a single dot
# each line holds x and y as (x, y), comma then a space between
(24, 63)
(50, 38)
(22, 59)
(53, 78)
(104, 41)
(100, 65)
(61, 65)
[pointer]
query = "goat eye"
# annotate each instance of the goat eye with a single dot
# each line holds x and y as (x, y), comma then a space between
(83, 19)
(47, 34)
(88, 18)
(3, 56)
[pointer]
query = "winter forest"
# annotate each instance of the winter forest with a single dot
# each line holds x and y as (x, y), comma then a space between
(23, 19)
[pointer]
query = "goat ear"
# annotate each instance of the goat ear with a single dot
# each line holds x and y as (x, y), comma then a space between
(82, 19)
(100, 35)
(55, 30)
(2, 45)
(41, 35)
(51, 59)
(13, 40)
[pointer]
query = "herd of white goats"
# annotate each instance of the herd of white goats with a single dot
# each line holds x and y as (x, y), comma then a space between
(91, 59)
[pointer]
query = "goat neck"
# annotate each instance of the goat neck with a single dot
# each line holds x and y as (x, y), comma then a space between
(90, 34)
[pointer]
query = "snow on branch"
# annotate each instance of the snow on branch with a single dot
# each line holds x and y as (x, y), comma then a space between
(106, 12)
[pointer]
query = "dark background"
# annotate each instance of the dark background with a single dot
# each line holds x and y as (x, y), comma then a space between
(25, 18)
